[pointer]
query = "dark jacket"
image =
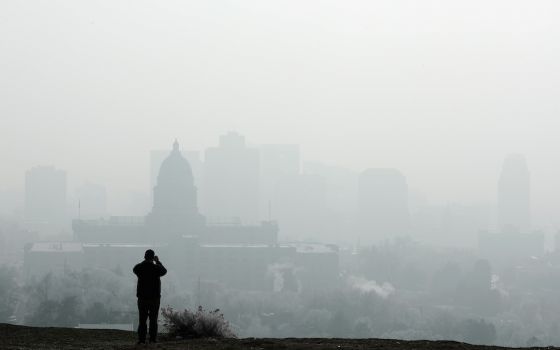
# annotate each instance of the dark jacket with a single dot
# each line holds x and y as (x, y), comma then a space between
(149, 284)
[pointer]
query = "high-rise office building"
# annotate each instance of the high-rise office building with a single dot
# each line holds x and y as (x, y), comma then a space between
(299, 205)
(341, 187)
(278, 162)
(231, 181)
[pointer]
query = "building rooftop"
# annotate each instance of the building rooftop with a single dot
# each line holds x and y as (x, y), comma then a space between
(312, 248)
(54, 247)
(234, 245)
(122, 245)
(114, 221)
(300, 247)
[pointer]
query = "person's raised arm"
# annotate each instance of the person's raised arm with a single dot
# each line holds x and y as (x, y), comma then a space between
(162, 269)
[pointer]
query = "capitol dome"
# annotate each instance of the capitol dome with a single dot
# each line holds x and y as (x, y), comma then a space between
(175, 171)
(175, 196)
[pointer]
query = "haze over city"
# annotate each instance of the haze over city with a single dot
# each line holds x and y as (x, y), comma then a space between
(440, 91)
(362, 169)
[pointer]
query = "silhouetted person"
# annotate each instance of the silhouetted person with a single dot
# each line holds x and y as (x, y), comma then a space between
(148, 292)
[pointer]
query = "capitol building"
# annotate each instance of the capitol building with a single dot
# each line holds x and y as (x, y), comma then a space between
(228, 254)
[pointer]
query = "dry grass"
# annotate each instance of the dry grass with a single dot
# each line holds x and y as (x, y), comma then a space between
(24, 338)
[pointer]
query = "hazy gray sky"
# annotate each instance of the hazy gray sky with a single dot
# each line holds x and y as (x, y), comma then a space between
(442, 90)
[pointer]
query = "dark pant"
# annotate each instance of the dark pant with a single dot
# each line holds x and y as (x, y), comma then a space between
(147, 308)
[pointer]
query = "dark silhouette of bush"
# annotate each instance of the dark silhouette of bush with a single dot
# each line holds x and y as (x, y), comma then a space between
(199, 324)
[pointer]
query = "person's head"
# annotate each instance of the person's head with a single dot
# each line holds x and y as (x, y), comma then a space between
(149, 254)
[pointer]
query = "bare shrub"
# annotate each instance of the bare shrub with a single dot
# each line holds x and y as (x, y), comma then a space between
(199, 324)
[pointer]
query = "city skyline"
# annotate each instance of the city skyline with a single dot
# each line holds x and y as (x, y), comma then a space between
(442, 92)
(317, 202)
(483, 177)
(74, 182)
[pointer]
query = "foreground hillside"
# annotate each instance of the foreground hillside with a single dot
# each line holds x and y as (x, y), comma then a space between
(19, 337)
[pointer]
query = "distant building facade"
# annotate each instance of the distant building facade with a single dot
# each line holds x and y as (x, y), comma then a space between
(514, 195)
(277, 163)
(231, 180)
(341, 186)
(45, 199)
(300, 205)
(506, 248)
(382, 204)
(91, 201)
(41, 258)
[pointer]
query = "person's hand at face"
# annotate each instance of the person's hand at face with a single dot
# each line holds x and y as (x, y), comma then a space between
(156, 259)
